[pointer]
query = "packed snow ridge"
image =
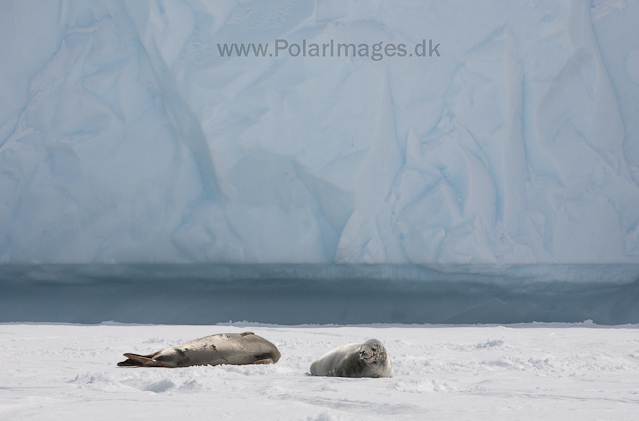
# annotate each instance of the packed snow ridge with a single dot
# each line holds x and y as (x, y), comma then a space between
(125, 136)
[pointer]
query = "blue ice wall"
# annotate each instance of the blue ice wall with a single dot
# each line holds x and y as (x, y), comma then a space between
(126, 137)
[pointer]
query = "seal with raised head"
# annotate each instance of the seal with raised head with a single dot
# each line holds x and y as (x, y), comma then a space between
(369, 359)
(223, 348)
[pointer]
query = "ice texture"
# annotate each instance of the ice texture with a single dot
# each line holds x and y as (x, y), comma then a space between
(125, 137)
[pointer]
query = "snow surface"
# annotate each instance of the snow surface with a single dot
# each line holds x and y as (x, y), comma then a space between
(523, 372)
(125, 137)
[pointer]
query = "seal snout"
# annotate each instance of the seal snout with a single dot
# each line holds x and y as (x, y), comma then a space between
(368, 354)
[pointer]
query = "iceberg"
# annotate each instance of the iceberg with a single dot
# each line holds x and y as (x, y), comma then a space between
(494, 132)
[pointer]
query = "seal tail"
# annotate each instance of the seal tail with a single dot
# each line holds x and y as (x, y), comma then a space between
(135, 360)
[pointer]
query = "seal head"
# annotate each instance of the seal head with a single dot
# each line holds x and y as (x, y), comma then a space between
(373, 353)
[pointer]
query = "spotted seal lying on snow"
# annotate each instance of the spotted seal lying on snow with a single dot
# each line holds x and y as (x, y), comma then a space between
(224, 348)
(369, 359)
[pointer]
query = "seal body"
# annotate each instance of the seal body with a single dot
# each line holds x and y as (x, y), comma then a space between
(224, 348)
(369, 359)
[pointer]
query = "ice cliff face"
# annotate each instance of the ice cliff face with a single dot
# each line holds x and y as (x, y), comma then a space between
(125, 136)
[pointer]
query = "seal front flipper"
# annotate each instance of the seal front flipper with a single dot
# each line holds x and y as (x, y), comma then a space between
(135, 360)
(265, 361)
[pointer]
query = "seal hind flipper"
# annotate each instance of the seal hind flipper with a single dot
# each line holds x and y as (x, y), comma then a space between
(135, 360)
(129, 363)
